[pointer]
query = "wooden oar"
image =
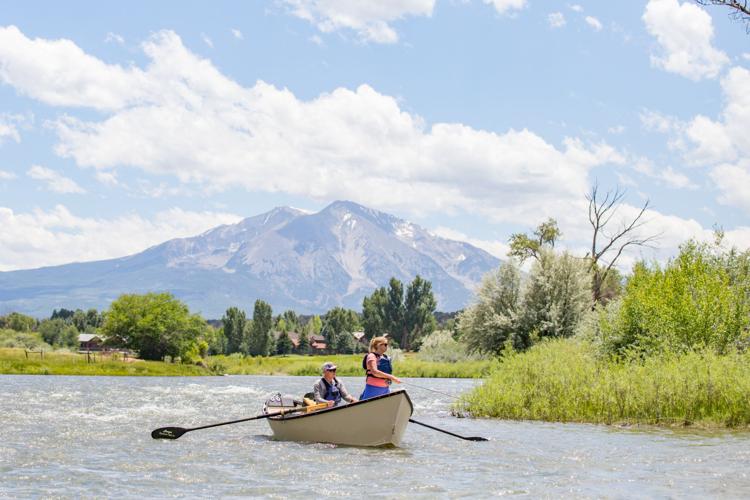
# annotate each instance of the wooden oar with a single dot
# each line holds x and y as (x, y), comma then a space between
(176, 432)
(467, 438)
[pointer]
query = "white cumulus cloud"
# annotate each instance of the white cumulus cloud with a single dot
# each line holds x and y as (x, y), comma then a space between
(684, 33)
(53, 180)
(594, 23)
(505, 6)
(370, 20)
(58, 236)
(497, 248)
(717, 144)
(237, 34)
(9, 125)
(556, 19)
(181, 117)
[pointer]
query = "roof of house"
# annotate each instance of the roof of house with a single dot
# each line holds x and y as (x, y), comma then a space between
(88, 337)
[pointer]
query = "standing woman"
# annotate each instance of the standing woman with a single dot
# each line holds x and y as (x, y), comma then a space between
(378, 367)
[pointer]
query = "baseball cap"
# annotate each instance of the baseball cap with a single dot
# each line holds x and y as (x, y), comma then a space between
(328, 366)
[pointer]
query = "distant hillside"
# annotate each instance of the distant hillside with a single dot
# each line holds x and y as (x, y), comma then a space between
(294, 260)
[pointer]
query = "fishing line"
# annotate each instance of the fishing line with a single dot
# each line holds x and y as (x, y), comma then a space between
(431, 390)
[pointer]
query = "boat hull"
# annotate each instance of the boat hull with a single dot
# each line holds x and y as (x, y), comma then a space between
(378, 421)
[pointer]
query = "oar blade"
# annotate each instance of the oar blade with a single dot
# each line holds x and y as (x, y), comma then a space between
(168, 433)
(476, 438)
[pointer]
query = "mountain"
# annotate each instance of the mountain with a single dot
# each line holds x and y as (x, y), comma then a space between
(289, 258)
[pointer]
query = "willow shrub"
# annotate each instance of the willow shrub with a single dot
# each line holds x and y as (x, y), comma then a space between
(566, 381)
(701, 299)
(441, 347)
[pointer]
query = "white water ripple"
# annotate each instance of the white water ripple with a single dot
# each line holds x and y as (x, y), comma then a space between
(72, 437)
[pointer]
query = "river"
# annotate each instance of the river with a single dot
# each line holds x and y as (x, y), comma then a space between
(72, 437)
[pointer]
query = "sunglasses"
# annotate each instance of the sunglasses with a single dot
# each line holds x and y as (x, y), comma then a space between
(331, 370)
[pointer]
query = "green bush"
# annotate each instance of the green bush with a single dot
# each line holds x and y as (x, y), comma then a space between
(441, 347)
(25, 340)
(701, 299)
(550, 303)
(564, 380)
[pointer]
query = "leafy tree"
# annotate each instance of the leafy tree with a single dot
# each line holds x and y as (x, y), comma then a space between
(63, 313)
(700, 299)
(234, 326)
(260, 340)
(284, 343)
(79, 320)
(155, 324)
(345, 344)
(374, 313)
(419, 310)
(281, 325)
(492, 321)
(216, 341)
(406, 319)
(441, 347)
(544, 236)
(18, 322)
(338, 324)
(316, 325)
(93, 319)
(304, 342)
(291, 320)
(57, 332)
(556, 297)
(394, 309)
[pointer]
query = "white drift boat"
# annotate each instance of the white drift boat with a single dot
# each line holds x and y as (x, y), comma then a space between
(377, 421)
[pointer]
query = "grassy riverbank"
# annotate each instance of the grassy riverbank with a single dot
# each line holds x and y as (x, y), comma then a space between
(564, 381)
(349, 365)
(14, 361)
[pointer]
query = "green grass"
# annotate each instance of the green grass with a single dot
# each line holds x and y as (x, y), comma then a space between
(14, 361)
(564, 381)
(349, 365)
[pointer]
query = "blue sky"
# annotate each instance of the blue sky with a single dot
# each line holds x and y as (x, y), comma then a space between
(124, 126)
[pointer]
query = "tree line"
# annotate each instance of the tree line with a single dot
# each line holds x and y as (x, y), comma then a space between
(159, 326)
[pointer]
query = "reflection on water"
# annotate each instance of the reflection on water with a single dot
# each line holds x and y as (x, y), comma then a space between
(90, 437)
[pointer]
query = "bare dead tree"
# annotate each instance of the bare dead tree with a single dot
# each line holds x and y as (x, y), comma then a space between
(740, 9)
(605, 243)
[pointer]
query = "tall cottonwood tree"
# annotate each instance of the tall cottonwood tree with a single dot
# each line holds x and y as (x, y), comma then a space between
(405, 319)
(234, 324)
(373, 313)
(419, 310)
(260, 340)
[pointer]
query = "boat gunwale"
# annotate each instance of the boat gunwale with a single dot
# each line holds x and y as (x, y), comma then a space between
(324, 411)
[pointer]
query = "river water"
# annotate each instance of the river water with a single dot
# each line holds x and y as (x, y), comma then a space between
(72, 437)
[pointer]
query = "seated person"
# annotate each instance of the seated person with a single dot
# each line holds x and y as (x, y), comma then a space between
(329, 389)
